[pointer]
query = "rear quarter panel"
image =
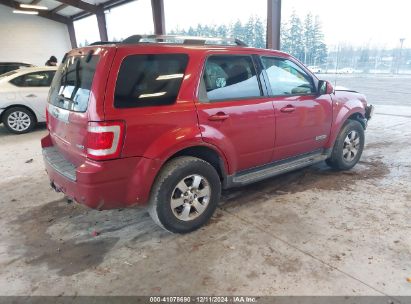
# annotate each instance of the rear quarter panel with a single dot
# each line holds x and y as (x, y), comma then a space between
(156, 132)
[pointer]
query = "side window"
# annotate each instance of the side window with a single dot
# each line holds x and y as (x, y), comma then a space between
(36, 79)
(149, 80)
(287, 78)
(228, 77)
(50, 78)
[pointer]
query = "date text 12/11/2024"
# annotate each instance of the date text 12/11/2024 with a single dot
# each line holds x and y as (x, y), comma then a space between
(203, 299)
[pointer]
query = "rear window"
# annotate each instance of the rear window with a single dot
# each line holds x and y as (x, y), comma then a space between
(149, 80)
(71, 85)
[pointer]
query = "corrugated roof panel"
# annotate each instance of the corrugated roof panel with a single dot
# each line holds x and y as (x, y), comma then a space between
(51, 4)
(69, 11)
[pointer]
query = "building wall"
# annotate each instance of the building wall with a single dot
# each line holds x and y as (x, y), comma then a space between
(31, 39)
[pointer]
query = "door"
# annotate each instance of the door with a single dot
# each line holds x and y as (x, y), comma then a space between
(33, 90)
(233, 113)
(303, 118)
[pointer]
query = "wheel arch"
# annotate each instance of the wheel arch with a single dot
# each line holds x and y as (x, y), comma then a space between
(342, 117)
(358, 117)
(206, 153)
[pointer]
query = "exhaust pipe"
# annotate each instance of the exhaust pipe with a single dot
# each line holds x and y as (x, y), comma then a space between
(53, 185)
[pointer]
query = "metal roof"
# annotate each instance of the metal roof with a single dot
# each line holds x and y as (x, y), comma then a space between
(66, 11)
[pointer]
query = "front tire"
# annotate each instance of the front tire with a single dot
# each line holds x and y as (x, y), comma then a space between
(19, 120)
(185, 194)
(348, 146)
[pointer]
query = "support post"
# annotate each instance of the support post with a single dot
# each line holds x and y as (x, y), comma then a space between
(157, 7)
(273, 24)
(102, 25)
(72, 34)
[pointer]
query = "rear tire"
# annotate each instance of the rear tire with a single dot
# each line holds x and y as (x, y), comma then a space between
(348, 146)
(19, 120)
(185, 194)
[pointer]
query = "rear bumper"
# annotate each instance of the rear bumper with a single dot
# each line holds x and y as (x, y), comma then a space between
(110, 184)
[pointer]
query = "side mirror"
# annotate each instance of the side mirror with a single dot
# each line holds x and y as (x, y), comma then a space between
(325, 87)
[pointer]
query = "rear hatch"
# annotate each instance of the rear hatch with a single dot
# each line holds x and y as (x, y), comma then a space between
(76, 97)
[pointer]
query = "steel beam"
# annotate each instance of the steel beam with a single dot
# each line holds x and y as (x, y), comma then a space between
(81, 5)
(102, 25)
(72, 34)
(157, 7)
(273, 24)
(58, 8)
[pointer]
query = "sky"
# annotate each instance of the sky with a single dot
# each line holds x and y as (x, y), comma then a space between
(360, 23)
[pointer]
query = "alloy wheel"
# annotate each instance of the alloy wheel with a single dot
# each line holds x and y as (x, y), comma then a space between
(190, 197)
(19, 121)
(351, 146)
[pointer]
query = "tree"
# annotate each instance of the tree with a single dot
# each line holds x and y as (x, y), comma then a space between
(259, 33)
(248, 32)
(237, 30)
(293, 37)
(304, 41)
(309, 40)
(315, 50)
(222, 31)
(320, 52)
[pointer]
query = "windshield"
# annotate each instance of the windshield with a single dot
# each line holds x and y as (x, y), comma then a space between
(71, 85)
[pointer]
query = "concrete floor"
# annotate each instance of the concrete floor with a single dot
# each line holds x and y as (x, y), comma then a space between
(310, 232)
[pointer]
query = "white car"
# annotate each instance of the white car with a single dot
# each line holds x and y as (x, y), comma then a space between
(346, 71)
(315, 69)
(23, 97)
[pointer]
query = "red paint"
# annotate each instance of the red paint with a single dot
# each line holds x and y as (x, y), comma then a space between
(297, 130)
(244, 133)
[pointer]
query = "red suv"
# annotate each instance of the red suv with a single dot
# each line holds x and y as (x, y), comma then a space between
(171, 121)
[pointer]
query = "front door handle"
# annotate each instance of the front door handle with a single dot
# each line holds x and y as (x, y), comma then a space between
(288, 109)
(31, 95)
(220, 116)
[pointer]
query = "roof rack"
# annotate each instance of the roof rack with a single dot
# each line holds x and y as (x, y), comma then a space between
(101, 43)
(191, 40)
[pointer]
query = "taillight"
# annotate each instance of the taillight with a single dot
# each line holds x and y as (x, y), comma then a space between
(105, 139)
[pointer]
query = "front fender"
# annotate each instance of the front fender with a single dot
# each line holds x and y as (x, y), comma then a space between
(344, 106)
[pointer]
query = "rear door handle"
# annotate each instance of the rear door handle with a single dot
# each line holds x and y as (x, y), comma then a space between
(31, 95)
(218, 117)
(288, 109)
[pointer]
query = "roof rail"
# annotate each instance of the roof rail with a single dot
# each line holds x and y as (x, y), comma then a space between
(101, 43)
(192, 40)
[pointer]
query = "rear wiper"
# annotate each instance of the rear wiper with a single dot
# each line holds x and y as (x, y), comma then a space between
(62, 98)
(78, 80)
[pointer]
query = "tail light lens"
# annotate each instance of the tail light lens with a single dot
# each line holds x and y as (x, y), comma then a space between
(105, 139)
